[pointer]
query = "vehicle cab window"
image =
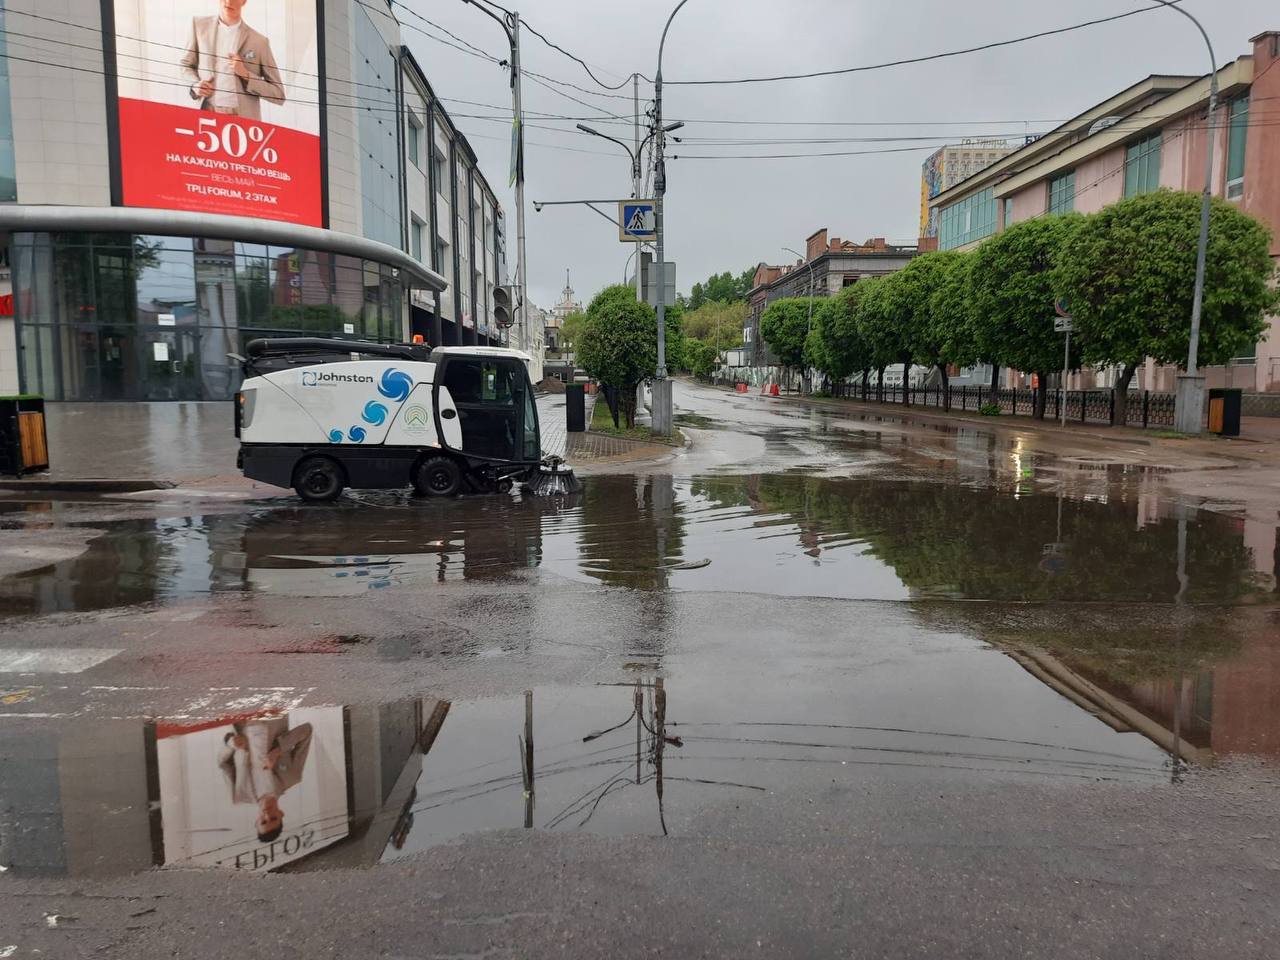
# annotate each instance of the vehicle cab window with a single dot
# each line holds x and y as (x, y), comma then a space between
(490, 394)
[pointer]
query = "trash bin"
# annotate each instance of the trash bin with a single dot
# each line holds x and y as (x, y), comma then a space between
(575, 408)
(24, 444)
(1224, 412)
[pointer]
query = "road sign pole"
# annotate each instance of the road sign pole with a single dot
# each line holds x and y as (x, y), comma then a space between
(635, 180)
(1066, 362)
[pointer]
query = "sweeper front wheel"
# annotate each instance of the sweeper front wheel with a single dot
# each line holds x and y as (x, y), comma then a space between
(318, 479)
(437, 477)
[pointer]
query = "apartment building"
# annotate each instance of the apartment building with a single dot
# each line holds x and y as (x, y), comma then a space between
(1149, 136)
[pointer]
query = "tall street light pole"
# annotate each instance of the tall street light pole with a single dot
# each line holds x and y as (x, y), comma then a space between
(1188, 411)
(809, 327)
(635, 183)
(510, 23)
(662, 417)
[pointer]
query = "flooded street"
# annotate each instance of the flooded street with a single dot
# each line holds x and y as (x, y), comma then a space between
(813, 659)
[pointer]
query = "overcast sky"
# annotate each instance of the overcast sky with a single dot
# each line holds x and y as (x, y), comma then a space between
(728, 214)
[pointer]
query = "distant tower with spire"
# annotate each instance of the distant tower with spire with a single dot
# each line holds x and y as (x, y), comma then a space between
(567, 304)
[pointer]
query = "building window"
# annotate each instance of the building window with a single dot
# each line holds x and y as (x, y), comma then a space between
(442, 173)
(415, 140)
(1008, 212)
(1237, 135)
(1142, 166)
(416, 228)
(1062, 193)
(972, 219)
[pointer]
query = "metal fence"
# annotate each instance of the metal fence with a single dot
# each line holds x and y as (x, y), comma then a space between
(1144, 409)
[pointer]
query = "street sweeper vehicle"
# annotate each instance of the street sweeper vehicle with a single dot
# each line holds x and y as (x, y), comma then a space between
(319, 415)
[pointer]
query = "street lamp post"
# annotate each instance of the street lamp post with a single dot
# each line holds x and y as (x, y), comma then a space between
(510, 23)
(809, 326)
(662, 408)
(635, 194)
(635, 185)
(1188, 411)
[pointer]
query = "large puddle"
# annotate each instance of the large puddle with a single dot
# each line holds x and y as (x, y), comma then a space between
(778, 534)
(1118, 639)
(684, 755)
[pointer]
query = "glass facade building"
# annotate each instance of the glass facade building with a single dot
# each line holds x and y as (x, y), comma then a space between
(970, 220)
(8, 168)
(127, 317)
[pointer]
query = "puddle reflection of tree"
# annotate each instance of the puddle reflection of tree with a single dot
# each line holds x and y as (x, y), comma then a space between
(633, 535)
(1120, 650)
(950, 540)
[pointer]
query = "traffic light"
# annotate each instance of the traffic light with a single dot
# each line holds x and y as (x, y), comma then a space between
(504, 313)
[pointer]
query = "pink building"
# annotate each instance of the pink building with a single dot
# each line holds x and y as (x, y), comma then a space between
(1149, 136)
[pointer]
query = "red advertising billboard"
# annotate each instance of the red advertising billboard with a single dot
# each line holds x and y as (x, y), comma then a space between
(219, 107)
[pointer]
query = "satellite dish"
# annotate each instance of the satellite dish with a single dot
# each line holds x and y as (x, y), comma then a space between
(1100, 125)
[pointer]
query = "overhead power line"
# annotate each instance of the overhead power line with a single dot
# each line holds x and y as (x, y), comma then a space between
(585, 66)
(924, 59)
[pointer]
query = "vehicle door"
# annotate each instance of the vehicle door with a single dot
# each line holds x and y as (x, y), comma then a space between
(488, 394)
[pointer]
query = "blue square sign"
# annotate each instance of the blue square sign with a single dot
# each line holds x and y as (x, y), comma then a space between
(637, 220)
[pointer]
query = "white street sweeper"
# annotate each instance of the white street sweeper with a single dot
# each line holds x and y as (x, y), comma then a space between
(319, 415)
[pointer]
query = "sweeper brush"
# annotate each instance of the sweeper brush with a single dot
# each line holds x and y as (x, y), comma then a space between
(552, 478)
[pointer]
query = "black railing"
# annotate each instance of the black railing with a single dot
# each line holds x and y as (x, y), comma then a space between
(1144, 409)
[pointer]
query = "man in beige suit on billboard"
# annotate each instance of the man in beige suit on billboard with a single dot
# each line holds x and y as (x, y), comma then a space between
(260, 760)
(230, 65)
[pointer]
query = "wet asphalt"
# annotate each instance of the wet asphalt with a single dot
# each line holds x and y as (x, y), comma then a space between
(824, 684)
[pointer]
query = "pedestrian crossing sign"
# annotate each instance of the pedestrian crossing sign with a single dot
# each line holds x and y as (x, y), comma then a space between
(637, 220)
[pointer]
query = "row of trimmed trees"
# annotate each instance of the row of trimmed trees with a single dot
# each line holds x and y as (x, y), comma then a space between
(1125, 273)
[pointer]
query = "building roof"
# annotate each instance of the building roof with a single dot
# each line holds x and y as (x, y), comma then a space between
(1144, 105)
(23, 218)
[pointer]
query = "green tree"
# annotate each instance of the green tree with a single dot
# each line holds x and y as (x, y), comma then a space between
(1127, 276)
(674, 342)
(959, 326)
(1011, 289)
(716, 323)
(571, 329)
(785, 327)
(618, 345)
(884, 328)
(719, 288)
(837, 345)
(911, 302)
(700, 358)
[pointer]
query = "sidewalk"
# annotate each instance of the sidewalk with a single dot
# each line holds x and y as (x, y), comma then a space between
(597, 448)
(1259, 441)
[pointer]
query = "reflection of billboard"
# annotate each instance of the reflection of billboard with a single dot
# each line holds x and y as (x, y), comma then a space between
(253, 792)
(219, 107)
(931, 180)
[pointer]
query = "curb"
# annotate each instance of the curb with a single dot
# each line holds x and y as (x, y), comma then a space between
(86, 485)
(1007, 422)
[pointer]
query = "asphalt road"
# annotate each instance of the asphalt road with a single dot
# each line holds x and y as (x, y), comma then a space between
(823, 685)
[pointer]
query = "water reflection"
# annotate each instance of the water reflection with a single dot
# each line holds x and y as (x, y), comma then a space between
(651, 755)
(775, 534)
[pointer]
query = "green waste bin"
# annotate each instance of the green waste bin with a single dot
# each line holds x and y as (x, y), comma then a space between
(24, 444)
(1224, 412)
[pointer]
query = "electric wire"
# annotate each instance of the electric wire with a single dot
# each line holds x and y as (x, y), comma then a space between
(926, 58)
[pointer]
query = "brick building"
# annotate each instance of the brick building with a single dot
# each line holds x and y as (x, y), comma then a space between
(830, 265)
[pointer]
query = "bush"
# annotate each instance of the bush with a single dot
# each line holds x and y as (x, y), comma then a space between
(989, 410)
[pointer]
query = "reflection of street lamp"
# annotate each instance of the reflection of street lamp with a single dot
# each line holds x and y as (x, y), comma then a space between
(809, 328)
